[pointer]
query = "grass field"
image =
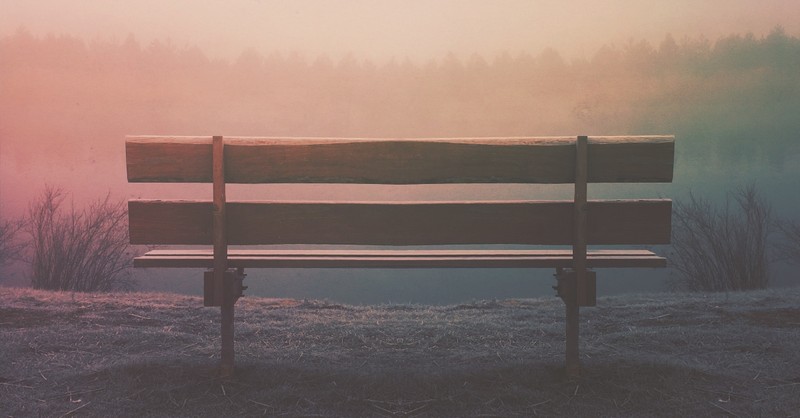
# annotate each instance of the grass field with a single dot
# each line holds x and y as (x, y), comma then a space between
(145, 355)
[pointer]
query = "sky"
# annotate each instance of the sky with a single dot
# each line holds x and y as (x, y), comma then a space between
(382, 29)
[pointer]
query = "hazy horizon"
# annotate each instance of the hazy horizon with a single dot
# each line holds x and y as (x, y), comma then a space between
(385, 29)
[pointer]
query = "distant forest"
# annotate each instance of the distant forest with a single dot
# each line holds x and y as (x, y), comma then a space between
(736, 98)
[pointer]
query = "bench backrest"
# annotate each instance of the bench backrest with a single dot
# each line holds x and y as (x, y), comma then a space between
(553, 160)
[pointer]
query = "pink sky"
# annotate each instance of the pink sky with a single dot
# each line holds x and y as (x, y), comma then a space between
(381, 29)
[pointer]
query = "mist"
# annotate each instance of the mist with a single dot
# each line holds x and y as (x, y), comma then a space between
(382, 29)
(70, 94)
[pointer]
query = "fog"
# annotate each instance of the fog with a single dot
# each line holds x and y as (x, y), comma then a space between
(382, 29)
(74, 81)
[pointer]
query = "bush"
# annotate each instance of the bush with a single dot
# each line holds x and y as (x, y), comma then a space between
(789, 248)
(722, 249)
(9, 247)
(83, 250)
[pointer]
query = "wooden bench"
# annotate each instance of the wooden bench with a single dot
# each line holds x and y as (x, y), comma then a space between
(573, 223)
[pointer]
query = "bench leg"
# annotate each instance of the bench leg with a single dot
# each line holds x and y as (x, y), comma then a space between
(233, 289)
(573, 364)
(567, 289)
(226, 366)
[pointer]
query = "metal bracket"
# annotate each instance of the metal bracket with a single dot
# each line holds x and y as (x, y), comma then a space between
(567, 286)
(233, 286)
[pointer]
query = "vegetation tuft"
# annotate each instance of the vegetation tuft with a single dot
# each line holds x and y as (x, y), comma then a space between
(722, 248)
(789, 248)
(85, 250)
(10, 247)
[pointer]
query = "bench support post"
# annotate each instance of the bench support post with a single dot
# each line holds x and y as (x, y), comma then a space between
(233, 290)
(567, 289)
(222, 297)
(579, 257)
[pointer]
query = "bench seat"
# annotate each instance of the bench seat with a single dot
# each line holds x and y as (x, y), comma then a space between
(369, 258)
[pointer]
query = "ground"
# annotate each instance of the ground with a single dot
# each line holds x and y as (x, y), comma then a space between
(142, 354)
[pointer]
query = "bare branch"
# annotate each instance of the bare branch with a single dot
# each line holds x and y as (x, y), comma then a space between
(789, 248)
(82, 250)
(10, 247)
(722, 248)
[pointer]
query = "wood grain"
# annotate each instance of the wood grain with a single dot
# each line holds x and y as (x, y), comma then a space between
(400, 161)
(401, 223)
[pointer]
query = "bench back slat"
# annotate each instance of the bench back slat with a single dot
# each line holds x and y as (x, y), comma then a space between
(400, 161)
(634, 222)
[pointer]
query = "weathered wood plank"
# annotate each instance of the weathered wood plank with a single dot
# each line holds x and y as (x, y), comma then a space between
(368, 252)
(399, 259)
(402, 223)
(400, 161)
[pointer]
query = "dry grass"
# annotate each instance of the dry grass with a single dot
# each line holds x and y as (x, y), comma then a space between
(155, 355)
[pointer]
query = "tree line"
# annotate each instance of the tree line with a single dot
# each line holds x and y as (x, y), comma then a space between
(717, 96)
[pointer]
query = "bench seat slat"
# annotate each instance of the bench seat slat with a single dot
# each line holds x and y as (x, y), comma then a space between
(399, 259)
(404, 252)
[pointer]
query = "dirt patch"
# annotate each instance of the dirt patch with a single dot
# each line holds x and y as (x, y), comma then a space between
(777, 318)
(24, 318)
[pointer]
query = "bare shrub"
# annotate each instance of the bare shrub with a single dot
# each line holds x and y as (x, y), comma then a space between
(83, 250)
(789, 247)
(722, 248)
(10, 248)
